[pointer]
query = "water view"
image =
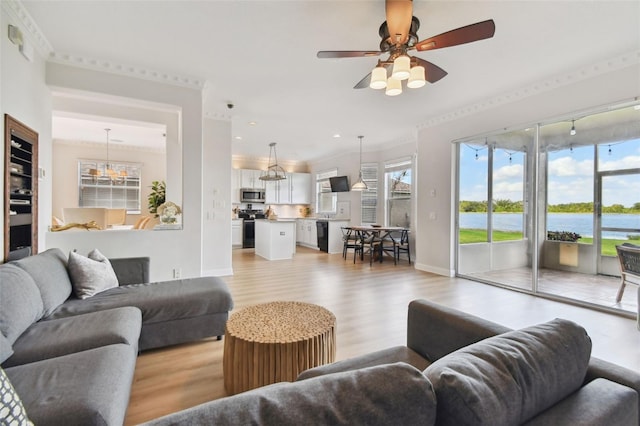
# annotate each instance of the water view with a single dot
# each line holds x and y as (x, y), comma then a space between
(580, 223)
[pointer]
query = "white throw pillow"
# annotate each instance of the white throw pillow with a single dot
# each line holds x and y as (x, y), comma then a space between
(91, 275)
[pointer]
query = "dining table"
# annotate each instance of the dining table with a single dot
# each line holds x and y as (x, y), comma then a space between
(377, 234)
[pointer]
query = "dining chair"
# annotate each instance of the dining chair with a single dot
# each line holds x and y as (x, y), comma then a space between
(371, 245)
(390, 243)
(350, 240)
(141, 222)
(403, 245)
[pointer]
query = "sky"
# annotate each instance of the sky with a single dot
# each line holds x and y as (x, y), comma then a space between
(570, 174)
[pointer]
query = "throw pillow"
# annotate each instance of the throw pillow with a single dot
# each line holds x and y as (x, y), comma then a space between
(12, 411)
(5, 348)
(509, 378)
(91, 275)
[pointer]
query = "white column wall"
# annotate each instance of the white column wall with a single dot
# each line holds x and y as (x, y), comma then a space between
(169, 250)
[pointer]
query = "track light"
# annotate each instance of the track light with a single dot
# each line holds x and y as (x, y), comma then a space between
(573, 128)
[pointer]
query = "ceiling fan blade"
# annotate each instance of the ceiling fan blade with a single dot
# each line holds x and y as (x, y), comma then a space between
(347, 53)
(432, 72)
(462, 35)
(364, 82)
(399, 14)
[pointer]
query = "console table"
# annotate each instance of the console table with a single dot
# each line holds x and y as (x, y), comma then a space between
(274, 342)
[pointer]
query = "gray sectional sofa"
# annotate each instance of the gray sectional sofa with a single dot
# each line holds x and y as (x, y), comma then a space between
(456, 369)
(71, 361)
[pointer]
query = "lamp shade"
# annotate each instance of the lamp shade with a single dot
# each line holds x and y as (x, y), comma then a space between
(401, 66)
(416, 79)
(359, 186)
(378, 78)
(394, 87)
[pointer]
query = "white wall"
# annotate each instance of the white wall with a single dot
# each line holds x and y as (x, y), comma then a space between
(434, 238)
(25, 97)
(168, 249)
(349, 164)
(216, 198)
(65, 171)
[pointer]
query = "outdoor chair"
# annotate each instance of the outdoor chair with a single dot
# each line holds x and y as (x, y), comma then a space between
(629, 257)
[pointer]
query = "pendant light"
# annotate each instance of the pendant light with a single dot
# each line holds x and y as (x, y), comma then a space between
(110, 172)
(274, 172)
(360, 185)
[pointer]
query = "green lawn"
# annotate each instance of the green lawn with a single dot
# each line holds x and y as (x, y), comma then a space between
(468, 236)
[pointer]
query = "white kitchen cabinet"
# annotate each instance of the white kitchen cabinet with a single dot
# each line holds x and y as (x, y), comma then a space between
(295, 189)
(236, 232)
(278, 191)
(307, 234)
(300, 187)
(251, 179)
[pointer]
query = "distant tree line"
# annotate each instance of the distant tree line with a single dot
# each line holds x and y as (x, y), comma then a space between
(508, 206)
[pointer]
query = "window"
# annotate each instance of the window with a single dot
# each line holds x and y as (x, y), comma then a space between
(398, 192)
(369, 198)
(326, 200)
(118, 189)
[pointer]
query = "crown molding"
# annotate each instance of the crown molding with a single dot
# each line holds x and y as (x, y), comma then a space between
(117, 146)
(27, 25)
(127, 70)
(559, 80)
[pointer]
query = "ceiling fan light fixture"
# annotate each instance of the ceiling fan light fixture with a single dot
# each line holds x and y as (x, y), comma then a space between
(394, 87)
(378, 78)
(401, 68)
(417, 77)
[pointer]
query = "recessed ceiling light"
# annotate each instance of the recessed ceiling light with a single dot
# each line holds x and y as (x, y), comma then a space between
(336, 135)
(636, 107)
(238, 137)
(252, 123)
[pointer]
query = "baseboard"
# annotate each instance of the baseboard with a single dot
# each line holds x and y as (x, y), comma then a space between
(224, 272)
(435, 270)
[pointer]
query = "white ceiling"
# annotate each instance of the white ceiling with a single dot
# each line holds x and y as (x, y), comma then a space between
(261, 56)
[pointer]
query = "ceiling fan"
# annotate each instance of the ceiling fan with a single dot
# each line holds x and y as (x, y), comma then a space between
(399, 36)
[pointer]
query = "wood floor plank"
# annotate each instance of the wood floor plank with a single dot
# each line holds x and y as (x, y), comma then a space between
(370, 305)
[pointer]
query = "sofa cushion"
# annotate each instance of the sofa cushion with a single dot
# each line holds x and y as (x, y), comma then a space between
(90, 275)
(600, 402)
(6, 350)
(84, 388)
(48, 339)
(12, 411)
(392, 394)
(509, 378)
(385, 356)
(159, 302)
(20, 302)
(49, 271)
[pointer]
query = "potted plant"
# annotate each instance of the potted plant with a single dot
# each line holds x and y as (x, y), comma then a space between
(571, 237)
(157, 196)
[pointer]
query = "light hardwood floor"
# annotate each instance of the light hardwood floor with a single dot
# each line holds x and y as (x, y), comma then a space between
(370, 304)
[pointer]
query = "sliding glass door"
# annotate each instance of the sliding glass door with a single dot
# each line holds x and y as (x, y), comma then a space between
(542, 208)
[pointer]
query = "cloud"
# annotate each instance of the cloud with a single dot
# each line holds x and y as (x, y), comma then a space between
(568, 166)
(511, 171)
(628, 162)
(508, 191)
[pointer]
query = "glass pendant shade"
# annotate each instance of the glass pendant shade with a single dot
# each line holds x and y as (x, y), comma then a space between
(360, 185)
(416, 79)
(394, 87)
(378, 78)
(401, 66)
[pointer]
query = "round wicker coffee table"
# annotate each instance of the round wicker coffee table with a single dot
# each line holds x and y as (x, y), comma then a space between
(274, 342)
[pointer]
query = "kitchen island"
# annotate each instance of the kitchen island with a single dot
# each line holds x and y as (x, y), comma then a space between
(275, 239)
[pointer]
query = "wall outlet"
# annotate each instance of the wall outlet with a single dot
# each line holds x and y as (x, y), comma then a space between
(177, 272)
